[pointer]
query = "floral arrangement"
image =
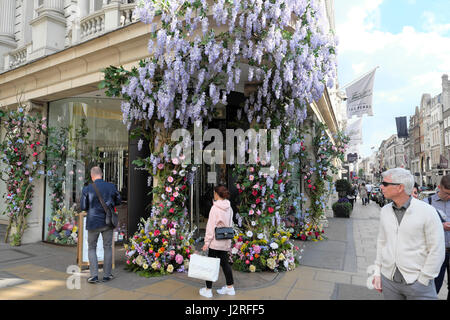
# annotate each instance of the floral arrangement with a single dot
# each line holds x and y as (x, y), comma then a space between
(194, 65)
(268, 251)
(21, 150)
(63, 228)
(160, 247)
(311, 232)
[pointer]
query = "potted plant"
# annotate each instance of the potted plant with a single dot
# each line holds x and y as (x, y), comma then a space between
(343, 187)
(342, 208)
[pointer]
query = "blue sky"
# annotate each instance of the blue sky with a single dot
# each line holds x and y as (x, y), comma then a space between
(409, 40)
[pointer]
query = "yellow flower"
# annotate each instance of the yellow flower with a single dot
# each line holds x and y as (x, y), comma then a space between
(74, 229)
(126, 247)
(142, 231)
(145, 266)
(276, 235)
(132, 247)
(155, 265)
(252, 268)
(170, 268)
(281, 257)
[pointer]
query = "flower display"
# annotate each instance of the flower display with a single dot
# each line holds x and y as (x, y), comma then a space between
(21, 148)
(62, 229)
(154, 250)
(274, 252)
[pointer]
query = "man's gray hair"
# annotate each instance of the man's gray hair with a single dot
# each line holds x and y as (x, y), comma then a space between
(96, 172)
(401, 176)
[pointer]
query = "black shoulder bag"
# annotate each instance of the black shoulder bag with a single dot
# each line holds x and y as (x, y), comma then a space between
(225, 233)
(111, 218)
(437, 211)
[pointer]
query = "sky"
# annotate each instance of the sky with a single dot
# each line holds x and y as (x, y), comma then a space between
(409, 40)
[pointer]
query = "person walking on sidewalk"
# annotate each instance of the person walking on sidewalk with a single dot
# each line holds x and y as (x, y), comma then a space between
(221, 215)
(351, 195)
(363, 193)
(96, 224)
(441, 201)
(410, 244)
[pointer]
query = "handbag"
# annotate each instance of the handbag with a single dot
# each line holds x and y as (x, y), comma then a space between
(204, 268)
(225, 233)
(111, 218)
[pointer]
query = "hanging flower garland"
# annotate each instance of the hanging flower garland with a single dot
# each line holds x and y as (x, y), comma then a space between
(21, 149)
(199, 49)
(315, 175)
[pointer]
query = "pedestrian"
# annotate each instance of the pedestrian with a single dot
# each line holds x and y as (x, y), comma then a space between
(363, 193)
(369, 191)
(410, 244)
(96, 224)
(441, 202)
(221, 215)
(351, 195)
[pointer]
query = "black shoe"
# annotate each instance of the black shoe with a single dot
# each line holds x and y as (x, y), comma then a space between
(106, 279)
(93, 280)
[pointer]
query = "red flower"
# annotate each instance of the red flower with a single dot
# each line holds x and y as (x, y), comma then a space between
(32, 146)
(303, 237)
(317, 234)
(309, 186)
(171, 210)
(309, 181)
(314, 188)
(35, 154)
(161, 205)
(258, 200)
(255, 193)
(240, 191)
(157, 233)
(172, 199)
(272, 196)
(38, 143)
(270, 209)
(183, 187)
(280, 181)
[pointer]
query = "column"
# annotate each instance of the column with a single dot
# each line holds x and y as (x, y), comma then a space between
(48, 29)
(112, 15)
(7, 20)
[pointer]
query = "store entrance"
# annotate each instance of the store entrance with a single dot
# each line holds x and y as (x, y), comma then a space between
(213, 175)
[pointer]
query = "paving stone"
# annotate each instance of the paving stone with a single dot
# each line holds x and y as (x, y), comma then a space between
(333, 277)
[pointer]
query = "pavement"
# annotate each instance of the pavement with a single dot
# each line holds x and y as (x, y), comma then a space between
(334, 269)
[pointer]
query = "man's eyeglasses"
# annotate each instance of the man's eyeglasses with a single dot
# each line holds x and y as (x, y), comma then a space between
(386, 184)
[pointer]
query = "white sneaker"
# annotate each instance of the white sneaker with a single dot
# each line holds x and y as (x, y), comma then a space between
(226, 290)
(206, 293)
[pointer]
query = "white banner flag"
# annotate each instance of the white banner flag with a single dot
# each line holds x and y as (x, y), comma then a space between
(354, 130)
(359, 96)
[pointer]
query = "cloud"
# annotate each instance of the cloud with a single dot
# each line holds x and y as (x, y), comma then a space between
(411, 62)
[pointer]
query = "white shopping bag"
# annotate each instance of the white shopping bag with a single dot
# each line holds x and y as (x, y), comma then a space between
(204, 268)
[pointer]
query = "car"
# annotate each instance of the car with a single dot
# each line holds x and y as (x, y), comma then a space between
(374, 193)
(426, 194)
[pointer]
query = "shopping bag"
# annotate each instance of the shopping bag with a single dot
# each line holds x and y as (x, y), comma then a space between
(204, 268)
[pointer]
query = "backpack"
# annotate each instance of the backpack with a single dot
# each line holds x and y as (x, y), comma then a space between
(439, 214)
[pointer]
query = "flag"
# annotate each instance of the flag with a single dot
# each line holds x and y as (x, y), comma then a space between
(359, 96)
(354, 132)
(402, 127)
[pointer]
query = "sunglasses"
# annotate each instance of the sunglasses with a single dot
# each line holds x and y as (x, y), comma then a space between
(386, 184)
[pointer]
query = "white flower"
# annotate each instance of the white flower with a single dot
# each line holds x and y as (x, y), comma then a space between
(253, 223)
(234, 251)
(260, 236)
(274, 245)
(249, 234)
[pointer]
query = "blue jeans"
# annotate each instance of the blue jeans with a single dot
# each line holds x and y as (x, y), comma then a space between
(440, 278)
(107, 236)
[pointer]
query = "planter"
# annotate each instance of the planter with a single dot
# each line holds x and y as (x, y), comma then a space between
(342, 210)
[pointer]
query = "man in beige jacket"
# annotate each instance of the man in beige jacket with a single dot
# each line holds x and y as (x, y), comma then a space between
(410, 245)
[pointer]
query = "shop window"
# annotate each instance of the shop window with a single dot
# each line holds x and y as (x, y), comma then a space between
(87, 132)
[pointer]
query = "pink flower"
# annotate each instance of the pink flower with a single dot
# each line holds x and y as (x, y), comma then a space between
(173, 231)
(175, 161)
(19, 163)
(164, 221)
(175, 194)
(247, 262)
(170, 179)
(161, 166)
(251, 212)
(168, 189)
(172, 252)
(27, 172)
(179, 259)
(251, 178)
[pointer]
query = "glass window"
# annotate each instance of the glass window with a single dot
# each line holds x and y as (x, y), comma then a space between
(87, 132)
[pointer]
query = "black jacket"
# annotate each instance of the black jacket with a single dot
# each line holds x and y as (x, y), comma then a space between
(90, 203)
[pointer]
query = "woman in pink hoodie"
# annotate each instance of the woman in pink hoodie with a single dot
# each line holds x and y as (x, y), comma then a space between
(221, 215)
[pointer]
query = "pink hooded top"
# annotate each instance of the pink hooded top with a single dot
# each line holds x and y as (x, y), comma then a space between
(219, 216)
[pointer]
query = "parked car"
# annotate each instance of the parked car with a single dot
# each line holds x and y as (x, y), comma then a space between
(426, 194)
(374, 193)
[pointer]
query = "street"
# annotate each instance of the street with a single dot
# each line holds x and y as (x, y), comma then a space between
(334, 269)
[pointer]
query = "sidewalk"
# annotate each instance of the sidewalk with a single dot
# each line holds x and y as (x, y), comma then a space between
(333, 269)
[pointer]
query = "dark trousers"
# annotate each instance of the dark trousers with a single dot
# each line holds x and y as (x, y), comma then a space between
(351, 202)
(107, 237)
(440, 278)
(223, 255)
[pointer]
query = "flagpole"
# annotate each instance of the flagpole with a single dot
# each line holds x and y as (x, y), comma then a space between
(348, 85)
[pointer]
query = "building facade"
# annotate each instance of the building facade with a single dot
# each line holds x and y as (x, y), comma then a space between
(52, 53)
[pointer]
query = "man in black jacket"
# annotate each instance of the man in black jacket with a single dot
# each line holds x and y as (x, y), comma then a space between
(95, 222)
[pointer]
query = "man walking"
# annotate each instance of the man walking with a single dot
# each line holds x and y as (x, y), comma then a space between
(441, 201)
(96, 224)
(410, 244)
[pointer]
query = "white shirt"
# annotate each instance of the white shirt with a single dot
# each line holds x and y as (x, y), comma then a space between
(416, 247)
